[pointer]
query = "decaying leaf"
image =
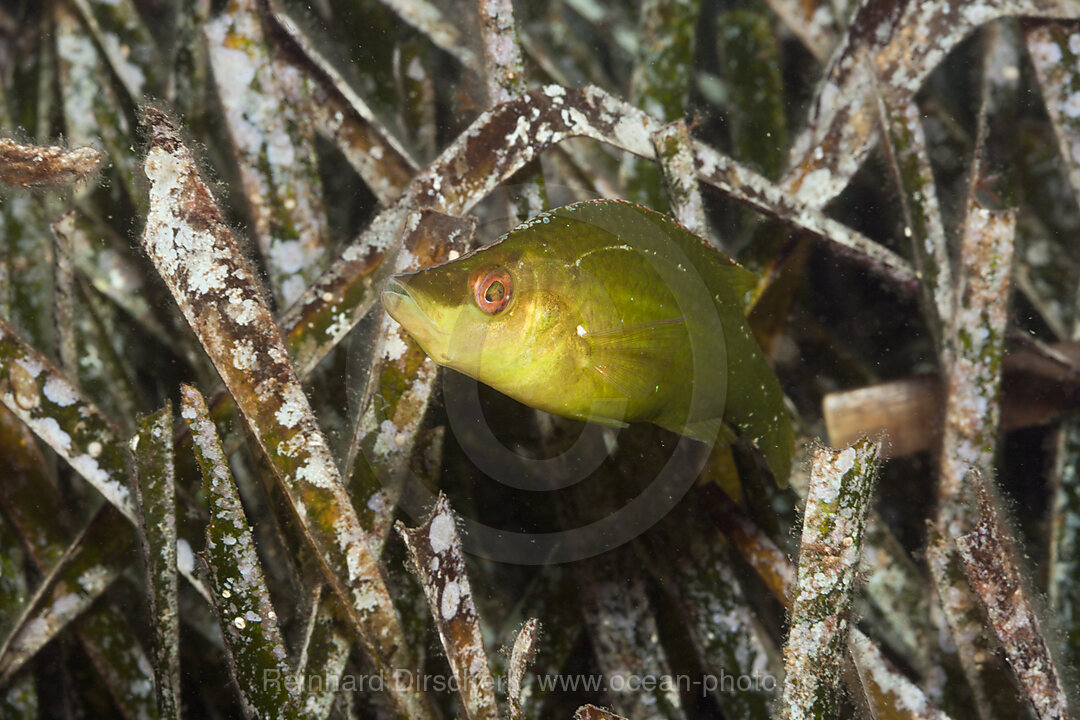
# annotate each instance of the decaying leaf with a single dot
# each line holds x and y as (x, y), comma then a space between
(30, 166)
(439, 561)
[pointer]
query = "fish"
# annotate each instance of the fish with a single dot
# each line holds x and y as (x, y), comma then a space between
(609, 312)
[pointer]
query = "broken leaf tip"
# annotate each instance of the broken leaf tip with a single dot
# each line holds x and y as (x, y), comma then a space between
(164, 132)
(34, 166)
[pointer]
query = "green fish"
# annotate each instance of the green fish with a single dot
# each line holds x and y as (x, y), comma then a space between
(609, 312)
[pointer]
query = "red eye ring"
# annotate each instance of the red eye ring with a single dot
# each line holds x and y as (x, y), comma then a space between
(493, 289)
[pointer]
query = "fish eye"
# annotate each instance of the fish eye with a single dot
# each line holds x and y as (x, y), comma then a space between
(493, 289)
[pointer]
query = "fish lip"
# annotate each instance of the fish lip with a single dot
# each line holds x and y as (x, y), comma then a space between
(394, 295)
(402, 305)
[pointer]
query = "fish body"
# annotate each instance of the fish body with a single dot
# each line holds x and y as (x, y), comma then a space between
(608, 312)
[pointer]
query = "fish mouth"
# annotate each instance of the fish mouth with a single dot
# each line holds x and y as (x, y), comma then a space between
(395, 297)
(403, 306)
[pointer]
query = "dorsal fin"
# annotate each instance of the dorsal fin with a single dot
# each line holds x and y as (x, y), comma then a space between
(621, 218)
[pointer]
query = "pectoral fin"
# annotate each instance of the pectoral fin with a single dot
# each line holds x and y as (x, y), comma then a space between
(633, 358)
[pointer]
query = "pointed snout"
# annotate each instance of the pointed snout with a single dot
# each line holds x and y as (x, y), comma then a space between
(395, 297)
(407, 307)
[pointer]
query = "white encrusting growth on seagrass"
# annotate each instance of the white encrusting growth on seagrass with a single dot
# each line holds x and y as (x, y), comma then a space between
(188, 242)
(833, 523)
(437, 556)
(899, 45)
(274, 149)
(245, 613)
(991, 564)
